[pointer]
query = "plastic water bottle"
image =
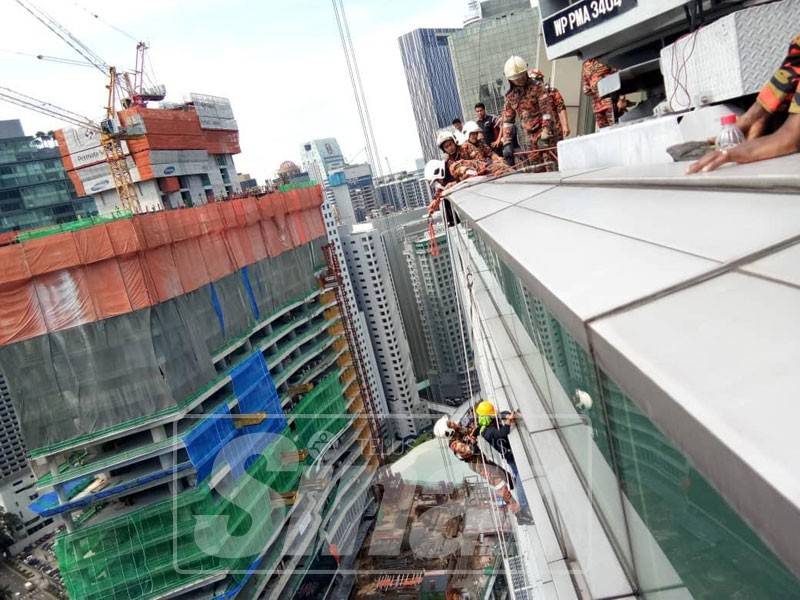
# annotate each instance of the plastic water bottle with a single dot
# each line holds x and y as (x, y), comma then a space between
(730, 135)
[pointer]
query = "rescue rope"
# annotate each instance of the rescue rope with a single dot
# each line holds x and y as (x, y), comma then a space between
(495, 511)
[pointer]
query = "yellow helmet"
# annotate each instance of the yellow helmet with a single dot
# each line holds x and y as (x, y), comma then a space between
(485, 409)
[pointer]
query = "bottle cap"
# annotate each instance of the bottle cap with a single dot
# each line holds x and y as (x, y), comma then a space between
(728, 120)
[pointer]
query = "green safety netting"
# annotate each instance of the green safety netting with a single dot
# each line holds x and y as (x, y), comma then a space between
(320, 415)
(202, 532)
(79, 223)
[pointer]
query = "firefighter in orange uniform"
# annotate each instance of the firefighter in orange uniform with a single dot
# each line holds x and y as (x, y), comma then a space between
(522, 102)
(593, 72)
(458, 168)
(474, 148)
(551, 102)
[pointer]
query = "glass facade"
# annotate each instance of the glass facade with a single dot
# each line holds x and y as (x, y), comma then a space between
(480, 50)
(431, 84)
(34, 188)
(673, 532)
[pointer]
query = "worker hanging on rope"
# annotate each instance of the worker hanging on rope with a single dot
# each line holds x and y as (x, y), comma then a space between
(476, 149)
(522, 102)
(463, 443)
(495, 429)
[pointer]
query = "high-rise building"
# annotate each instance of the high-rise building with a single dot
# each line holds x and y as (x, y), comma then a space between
(321, 157)
(431, 84)
(658, 430)
(473, 11)
(481, 48)
(363, 196)
(190, 399)
(432, 280)
(34, 188)
(17, 482)
(365, 250)
(337, 210)
(393, 229)
(183, 158)
(404, 190)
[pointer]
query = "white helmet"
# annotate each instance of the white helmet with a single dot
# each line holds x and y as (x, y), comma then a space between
(434, 170)
(443, 137)
(471, 127)
(516, 65)
(442, 429)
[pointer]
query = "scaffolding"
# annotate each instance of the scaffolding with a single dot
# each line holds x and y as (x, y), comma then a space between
(335, 278)
(203, 533)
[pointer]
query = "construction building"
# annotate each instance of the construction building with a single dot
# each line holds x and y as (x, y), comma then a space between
(189, 392)
(403, 190)
(182, 155)
(365, 249)
(431, 84)
(452, 376)
(34, 187)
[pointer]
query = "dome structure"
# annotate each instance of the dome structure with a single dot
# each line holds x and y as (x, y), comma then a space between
(288, 169)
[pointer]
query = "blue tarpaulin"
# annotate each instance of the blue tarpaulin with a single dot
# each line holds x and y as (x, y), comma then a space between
(217, 306)
(216, 440)
(250, 295)
(49, 502)
(207, 438)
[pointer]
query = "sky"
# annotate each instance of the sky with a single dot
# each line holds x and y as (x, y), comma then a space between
(280, 63)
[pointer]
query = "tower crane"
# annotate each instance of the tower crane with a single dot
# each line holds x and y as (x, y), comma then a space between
(111, 135)
(130, 86)
(126, 87)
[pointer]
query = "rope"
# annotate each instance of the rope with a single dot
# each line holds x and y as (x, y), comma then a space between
(496, 518)
(434, 244)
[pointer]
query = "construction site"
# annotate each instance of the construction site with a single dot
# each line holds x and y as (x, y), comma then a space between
(179, 364)
(195, 395)
(185, 381)
(432, 542)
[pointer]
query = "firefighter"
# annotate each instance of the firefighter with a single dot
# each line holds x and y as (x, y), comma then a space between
(474, 148)
(522, 102)
(779, 98)
(458, 168)
(463, 442)
(552, 103)
(593, 71)
(437, 177)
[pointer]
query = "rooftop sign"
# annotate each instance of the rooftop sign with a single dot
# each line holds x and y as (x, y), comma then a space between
(581, 16)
